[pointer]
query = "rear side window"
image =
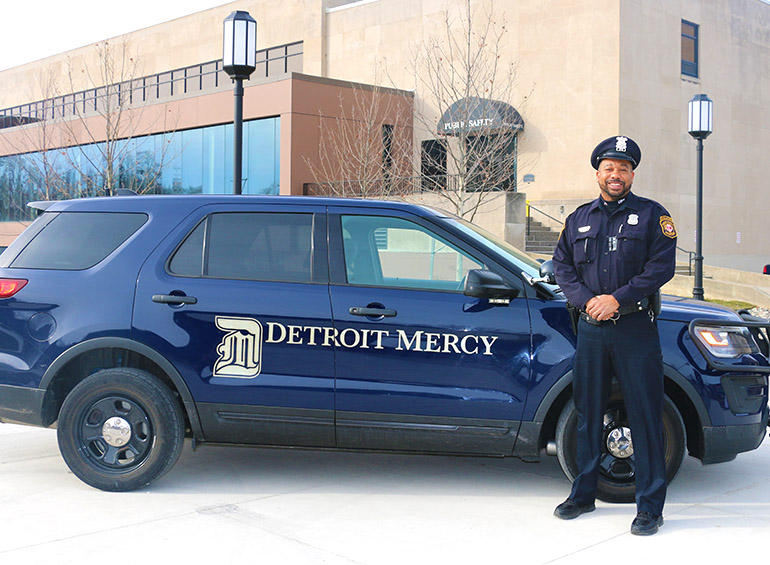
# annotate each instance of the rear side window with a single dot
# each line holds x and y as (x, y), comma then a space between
(73, 241)
(249, 246)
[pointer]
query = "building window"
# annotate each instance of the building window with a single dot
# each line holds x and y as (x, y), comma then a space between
(387, 148)
(195, 161)
(433, 166)
(689, 49)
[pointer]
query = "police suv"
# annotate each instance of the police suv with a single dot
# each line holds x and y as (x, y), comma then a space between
(131, 323)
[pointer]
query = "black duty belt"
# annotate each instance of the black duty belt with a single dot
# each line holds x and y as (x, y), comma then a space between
(641, 306)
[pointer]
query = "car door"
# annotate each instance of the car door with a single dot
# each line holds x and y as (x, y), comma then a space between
(224, 298)
(419, 365)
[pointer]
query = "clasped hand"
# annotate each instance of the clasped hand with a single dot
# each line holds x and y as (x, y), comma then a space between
(602, 307)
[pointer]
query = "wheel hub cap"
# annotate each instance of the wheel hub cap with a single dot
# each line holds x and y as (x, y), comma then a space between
(116, 432)
(619, 443)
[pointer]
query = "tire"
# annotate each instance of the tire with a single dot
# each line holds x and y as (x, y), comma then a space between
(120, 429)
(616, 473)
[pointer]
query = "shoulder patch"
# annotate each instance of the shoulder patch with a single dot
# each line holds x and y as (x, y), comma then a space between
(667, 226)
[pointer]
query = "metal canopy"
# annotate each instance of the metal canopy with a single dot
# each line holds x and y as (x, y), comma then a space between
(477, 115)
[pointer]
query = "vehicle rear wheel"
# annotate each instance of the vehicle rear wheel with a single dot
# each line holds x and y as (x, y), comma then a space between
(120, 429)
(617, 465)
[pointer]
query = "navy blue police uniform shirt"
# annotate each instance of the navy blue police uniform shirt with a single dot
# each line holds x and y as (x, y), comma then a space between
(629, 253)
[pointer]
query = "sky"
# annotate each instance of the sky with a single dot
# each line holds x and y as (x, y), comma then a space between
(55, 26)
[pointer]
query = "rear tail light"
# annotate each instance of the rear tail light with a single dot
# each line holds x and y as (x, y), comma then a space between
(9, 287)
(767, 269)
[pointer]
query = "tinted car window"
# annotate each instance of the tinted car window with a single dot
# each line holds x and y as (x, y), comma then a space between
(387, 251)
(73, 241)
(251, 246)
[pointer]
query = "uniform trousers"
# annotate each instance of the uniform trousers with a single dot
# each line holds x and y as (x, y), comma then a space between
(628, 349)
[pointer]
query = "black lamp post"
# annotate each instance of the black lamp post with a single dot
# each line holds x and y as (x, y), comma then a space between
(700, 126)
(239, 61)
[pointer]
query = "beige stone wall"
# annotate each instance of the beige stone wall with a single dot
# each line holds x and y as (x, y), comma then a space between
(567, 86)
(735, 73)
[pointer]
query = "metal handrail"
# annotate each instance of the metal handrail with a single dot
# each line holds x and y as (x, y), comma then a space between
(529, 216)
(691, 258)
(166, 84)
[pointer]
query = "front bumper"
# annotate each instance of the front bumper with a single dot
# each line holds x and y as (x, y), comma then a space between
(723, 443)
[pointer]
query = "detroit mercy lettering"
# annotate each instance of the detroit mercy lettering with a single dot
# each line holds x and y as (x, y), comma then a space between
(241, 348)
(326, 336)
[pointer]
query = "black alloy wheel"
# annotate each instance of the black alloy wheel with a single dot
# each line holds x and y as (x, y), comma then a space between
(617, 467)
(120, 429)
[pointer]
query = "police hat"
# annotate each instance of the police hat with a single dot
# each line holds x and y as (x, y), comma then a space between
(618, 147)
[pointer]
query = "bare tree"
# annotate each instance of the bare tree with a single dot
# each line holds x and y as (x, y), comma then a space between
(37, 170)
(110, 121)
(89, 136)
(464, 73)
(364, 150)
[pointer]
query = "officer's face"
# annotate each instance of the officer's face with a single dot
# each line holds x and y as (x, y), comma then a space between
(615, 178)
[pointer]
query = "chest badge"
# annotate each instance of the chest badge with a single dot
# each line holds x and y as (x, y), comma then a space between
(633, 219)
(667, 226)
(584, 229)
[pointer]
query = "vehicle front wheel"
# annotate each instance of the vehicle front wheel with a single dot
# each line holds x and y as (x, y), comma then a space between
(617, 466)
(120, 429)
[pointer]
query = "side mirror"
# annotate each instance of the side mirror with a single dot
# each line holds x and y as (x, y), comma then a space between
(486, 284)
(546, 272)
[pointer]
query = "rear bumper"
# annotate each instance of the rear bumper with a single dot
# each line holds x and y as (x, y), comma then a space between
(723, 443)
(21, 405)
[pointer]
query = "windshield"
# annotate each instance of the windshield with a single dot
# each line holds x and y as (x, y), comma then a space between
(521, 260)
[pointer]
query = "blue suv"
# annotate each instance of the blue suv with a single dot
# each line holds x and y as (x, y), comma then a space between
(131, 323)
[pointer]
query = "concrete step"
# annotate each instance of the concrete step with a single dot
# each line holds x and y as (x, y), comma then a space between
(543, 250)
(720, 289)
(541, 239)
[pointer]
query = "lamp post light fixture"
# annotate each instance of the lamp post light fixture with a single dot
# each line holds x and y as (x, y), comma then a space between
(239, 61)
(699, 125)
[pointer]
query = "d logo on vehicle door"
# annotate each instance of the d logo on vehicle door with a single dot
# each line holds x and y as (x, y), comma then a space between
(240, 351)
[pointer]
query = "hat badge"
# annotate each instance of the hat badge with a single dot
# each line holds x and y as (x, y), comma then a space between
(620, 143)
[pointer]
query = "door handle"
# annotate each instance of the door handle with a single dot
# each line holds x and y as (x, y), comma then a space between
(378, 312)
(173, 299)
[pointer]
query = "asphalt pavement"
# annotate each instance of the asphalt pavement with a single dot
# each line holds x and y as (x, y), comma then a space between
(244, 505)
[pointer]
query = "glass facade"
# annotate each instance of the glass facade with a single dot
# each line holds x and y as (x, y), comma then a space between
(196, 161)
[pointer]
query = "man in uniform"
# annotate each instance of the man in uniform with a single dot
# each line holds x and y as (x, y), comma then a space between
(613, 256)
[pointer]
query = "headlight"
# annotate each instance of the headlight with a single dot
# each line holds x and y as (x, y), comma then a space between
(725, 341)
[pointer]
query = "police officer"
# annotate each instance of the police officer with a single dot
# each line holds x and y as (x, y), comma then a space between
(613, 256)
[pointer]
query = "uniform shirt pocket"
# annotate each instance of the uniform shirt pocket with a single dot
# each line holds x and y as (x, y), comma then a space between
(585, 248)
(632, 245)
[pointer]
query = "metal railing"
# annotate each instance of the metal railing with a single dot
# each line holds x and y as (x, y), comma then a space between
(529, 217)
(272, 62)
(691, 258)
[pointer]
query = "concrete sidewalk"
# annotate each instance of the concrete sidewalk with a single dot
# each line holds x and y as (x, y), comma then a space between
(240, 505)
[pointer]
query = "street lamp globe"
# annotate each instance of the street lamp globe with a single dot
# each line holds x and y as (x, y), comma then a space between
(700, 114)
(240, 45)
